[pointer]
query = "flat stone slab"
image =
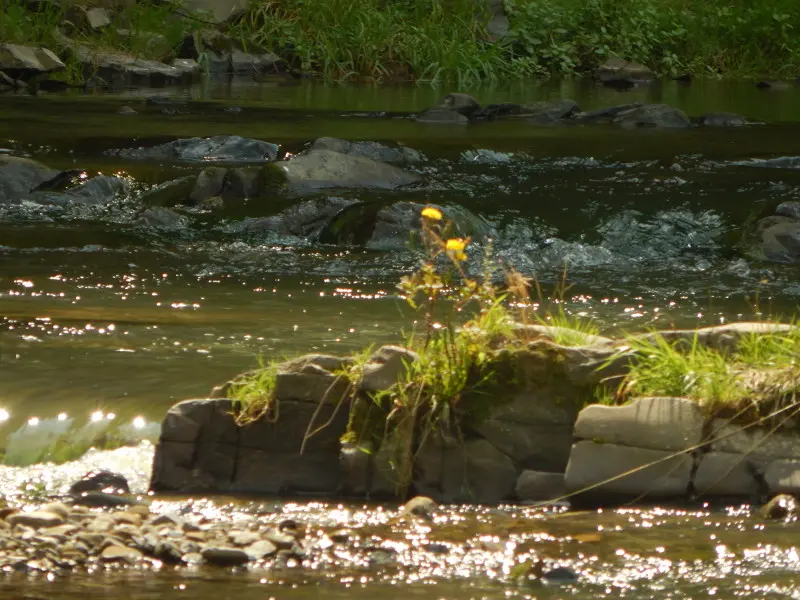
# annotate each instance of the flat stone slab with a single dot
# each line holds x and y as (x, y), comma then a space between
(603, 470)
(659, 423)
(540, 486)
(783, 477)
(753, 441)
(726, 475)
(542, 447)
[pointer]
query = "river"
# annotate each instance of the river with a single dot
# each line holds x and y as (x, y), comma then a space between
(101, 315)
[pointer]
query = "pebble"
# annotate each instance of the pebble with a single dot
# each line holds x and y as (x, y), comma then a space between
(100, 524)
(36, 519)
(114, 553)
(195, 536)
(129, 518)
(280, 539)
(260, 549)
(165, 519)
(419, 506)
(126, 110)
(102, 481)
(243, 538)
(225, 557)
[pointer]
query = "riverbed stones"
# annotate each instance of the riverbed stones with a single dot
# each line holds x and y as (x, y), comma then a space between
(613, 472)
(660, 116)
(326, 168)
(657, 423)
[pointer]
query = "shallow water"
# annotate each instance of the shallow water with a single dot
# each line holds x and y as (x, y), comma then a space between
(100, 315)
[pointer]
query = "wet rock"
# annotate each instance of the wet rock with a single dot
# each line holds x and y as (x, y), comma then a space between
(100, 524)
(261, 549)
(613, 472)
(325, 168)
(778, 239)
(102, 500)
(419, 506)
(789, 209)
(126, 111)
(96, 191)
(116, 553)
(304, 220)
(783, 476)
(460, 103)
(36, 519)
(385, 368)
(490, 112)
(550, 113)
(539, 486)
(100, 481)
(753, 442)
(316, 473)
(652, 115)
(443, 116)
(22, 62)
(244, 63)
(782, 506)
(727, 475)
(20, 176)
(160, 217)
(220, 148)
(656, 423)
(722, 120)
(187, 66)
(605, 115)
(355, 462)
(225, 557)
(623, 74)
(372, 150)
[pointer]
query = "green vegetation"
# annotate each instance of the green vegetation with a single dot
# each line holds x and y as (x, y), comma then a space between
(760, 375)
(253, 393)
(446, 40)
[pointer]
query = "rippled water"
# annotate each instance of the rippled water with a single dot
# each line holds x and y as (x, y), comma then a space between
(101, 315)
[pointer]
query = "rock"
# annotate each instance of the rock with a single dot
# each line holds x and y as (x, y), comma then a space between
(325, 168)
(789, 209)
(116, 553)
(779, 239)
(373, 150)
(782, 506)
(159, 217)
(540, 446)
(36, 519)
(540, 486)
(783, 477)
(102, 500)
(86, 19)
(723, 338)
(443, 116)
(727, 475)
(219, 11)
(243, 63)
(753, 442)
(58, 508)
(419, 506)
(655, 423)
(775, 86)
(609, 471)
(220, 148)
(606, 115)
(92, 192)
(303, 220)
(721, 120)
(616, 72)
(128, 518)
(100, 524)
(127, 111)
(22, 62)
(461, 103)
(225, 557)
(355, 462)
(652, 115)
(187, 66)
(20, 176)
(314, 378)
(385, 368)
(100, 481)
(120, 69)
(550, 113)
(316, 473)
(243, 538)
(261, 549)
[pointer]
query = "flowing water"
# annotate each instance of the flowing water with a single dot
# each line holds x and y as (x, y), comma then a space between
(103, 317)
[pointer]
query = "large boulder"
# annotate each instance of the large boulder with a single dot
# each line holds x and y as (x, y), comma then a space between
(373, 150)
(326, 168)
(96, 191)
(778, 239)
(20, 176)
(219, 148)
(652, 115)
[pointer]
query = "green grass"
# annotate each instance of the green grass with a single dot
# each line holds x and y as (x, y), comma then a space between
(253, 394)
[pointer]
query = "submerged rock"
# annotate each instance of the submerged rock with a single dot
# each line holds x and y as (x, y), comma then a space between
(782, 506)
(100, 481)
(777, 239)
(372, 150)
(220, 148)
(326, 168)
(652, 115)
(722, 120)
(443, 116)
(20, 176)
(550, 113)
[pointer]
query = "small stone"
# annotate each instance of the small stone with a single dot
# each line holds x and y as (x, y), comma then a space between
(165, 519)
(782, 506)
(260, 549)
(280, 539)
(102, 500)
(58, 508)
(126, 530)
(225, 557)
(6, 511)
(114, 553)
(419, 506)
(36, 519)
(140, 509)
(341, 536)
(100, 524)
(192, 558)
(101, 481)
(128, 517)
(60, 531)
(243, 538)
(196, 536)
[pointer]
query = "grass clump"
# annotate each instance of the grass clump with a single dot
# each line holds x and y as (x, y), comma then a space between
(757, 377)
(253, 394)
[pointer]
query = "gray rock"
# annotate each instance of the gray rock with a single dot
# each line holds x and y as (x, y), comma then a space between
(306, 379)
(727, 475)
(20, 176)
(419, 506)
(116, 553)
(550, 113)
(617, 472)
(722, 120)
(243, 63)
(542, 446)
(220, 148)
(605, 115)
(325, 168)
(779, 239)
(225, 557)
(782, 506)
(372, 150)
(303, 220)
(783, 477)
(243, 538)
(86, 19)
(187, 66)
(385, 368)
(219, 11)
(789, 209)
(271, 473)
(160, 217)
(460, 103)
(261, 549)
(754, 442)
(498, 27)
(655, 423)
(36, 519)
(442, 116)
(477, 472)
(652, 115)
(26, 61)
(616, 71)
(99, 190)
(723, 338)
(355, 463)
(540, 486)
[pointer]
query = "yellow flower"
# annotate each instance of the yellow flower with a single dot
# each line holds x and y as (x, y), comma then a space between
(455, 248)
(434, 214)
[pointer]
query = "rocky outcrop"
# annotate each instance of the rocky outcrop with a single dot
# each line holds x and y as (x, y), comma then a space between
(400, 155)
(540, 437)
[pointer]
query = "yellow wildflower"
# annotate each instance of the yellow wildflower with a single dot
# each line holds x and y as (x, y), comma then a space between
(455, 248)
(434, 214)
